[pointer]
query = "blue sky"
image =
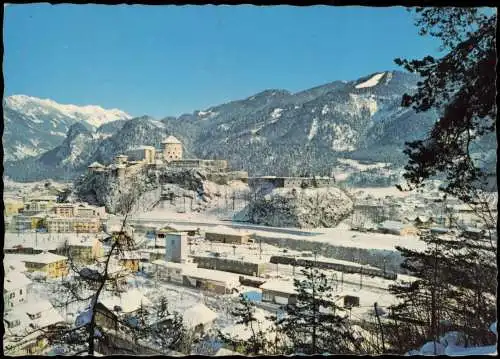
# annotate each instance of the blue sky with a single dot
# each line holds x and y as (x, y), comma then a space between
(168, 60)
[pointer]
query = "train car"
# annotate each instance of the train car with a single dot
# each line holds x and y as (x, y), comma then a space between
(303, 262)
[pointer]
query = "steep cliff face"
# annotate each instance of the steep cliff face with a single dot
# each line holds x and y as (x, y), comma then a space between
(300, 208)
(148, 185)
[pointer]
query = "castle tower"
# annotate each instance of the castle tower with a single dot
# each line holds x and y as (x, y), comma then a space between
(172, 149)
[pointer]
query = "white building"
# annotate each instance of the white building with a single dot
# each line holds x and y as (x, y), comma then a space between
(25, 327)
(176, 247)
(15, 287)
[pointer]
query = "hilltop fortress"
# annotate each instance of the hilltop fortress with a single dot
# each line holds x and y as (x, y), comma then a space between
(170, 156)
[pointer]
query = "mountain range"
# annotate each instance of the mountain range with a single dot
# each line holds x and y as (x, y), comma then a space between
(274, 132)
(34, 126)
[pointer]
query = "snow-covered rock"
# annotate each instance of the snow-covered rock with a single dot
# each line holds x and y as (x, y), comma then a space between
(297, 207)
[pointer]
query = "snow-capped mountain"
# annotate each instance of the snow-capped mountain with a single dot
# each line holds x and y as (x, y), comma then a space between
(34, 125)
(274, 132)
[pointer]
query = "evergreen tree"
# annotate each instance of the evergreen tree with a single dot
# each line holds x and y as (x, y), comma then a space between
(462, 87)
(456, 285)
(257, 343)
(315, 324)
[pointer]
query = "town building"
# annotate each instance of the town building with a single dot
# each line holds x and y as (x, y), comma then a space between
(170, 271)
(279, 292)
(26, 325)
(85, 250)
(176, 247)
(53, 265)
(86, 225)
(227, 235)
(241, 265)
(65, 210)
(112, 310)
(172, 149)
(12, 207)
(15, 288)
(210, 280)
(22, 222)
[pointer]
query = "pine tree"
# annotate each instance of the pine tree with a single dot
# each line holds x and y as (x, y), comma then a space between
(456, 284)
(315, 324)
(245, 314)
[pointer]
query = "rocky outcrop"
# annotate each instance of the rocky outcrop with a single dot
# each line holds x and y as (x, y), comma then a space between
(151, 185)
(300, 208)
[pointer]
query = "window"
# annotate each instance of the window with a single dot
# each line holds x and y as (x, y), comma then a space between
(20, 291)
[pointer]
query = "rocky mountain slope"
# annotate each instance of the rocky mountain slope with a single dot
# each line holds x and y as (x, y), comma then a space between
(33, 126)
(274, 132)
(299, 208)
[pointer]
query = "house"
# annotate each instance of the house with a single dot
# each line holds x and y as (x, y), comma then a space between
(171, 271)
(234, 265)
(12, 207)
(227, 235)
(199, 318)
(26, 325)
(398, 228)
(53, 265)
(279, 292)
(15, 288)
(122, 307)
(211, 280)
(82, 250)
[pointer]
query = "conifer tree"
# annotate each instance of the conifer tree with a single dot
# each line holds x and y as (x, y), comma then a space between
(314, 324)
(245, 314)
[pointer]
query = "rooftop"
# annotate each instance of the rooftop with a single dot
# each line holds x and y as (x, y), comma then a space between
(281, 286)
(171, 139)
(129, 301)
(198, 314)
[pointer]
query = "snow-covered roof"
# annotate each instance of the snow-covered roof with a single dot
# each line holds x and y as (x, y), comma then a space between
(281, 286)
(143, 147)
(228, 231)
(96, 165)
(44, 258)
(210, 274)
(22, 312)
(129, 301)
(198, 314)
(181, 227)
(174, 265)
(14, 280)
(171, 139)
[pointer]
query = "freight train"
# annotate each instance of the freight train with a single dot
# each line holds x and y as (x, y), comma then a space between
(304, 262)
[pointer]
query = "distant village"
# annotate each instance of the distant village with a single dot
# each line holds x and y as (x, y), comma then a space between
(45, 237)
